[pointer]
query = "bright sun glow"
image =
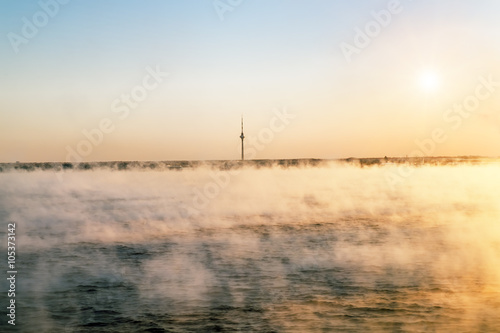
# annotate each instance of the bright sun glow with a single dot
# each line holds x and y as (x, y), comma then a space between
(429, 81)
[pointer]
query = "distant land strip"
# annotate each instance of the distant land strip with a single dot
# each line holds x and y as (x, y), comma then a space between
(232, 164)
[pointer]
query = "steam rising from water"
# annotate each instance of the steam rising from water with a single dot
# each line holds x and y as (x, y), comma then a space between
(277, 249)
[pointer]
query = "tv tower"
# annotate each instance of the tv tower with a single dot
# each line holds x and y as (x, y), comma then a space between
(242, 136)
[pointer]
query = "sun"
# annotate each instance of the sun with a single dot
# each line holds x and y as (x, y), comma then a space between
(429, 80)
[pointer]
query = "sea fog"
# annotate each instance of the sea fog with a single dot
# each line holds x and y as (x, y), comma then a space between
(331, 247)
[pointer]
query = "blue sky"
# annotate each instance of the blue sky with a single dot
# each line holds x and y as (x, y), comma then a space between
(264, 55)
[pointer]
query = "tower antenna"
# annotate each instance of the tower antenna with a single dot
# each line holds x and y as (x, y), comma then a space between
(242, 136)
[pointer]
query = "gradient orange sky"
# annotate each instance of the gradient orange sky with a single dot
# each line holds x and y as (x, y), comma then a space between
(422, 70)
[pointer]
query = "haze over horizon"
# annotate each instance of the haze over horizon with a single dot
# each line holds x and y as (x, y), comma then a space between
(169, 80)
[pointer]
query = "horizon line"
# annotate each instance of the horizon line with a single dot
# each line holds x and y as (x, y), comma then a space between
(262, 159)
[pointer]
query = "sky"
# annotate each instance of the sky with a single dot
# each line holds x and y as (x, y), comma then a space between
(170, 80)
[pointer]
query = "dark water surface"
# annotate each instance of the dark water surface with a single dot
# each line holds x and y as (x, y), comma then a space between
(307, 250)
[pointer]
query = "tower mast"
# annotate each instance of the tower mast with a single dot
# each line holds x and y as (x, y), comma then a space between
(242, 137)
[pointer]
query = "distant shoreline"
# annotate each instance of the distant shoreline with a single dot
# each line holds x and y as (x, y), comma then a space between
(232, 164)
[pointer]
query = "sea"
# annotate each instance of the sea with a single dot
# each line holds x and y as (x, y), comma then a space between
(329, 246)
